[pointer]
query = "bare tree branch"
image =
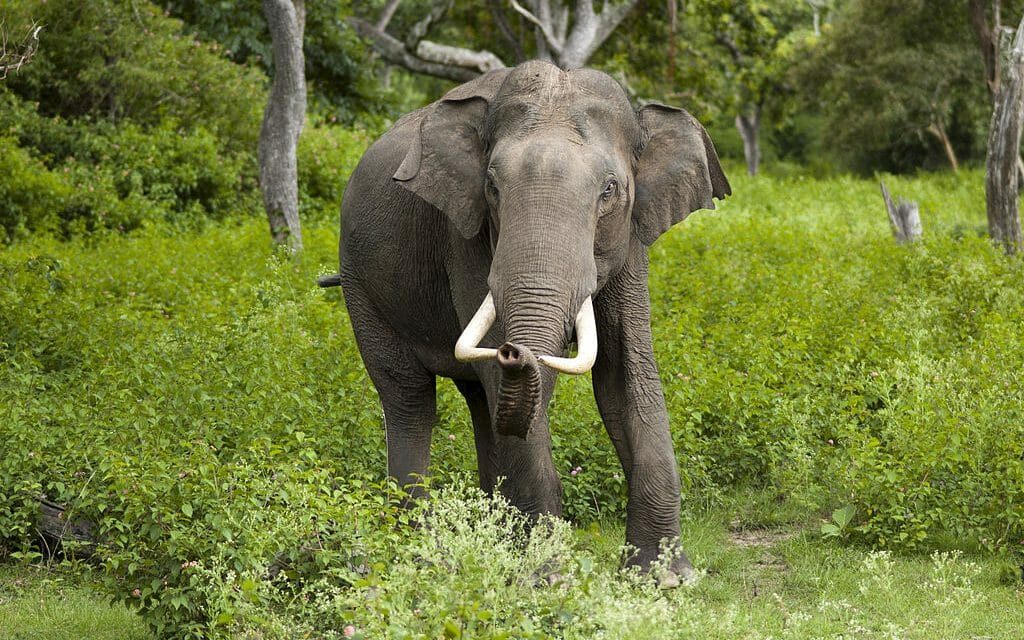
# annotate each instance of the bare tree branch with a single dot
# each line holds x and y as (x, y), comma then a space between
(387, 14)
(506, 29)
(420, 29)
(483, 61)
(590, 30)
(395, 52)
(569, 47)
(545, 27)
(19, 54)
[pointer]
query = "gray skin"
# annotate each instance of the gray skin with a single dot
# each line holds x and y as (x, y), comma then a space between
(542, 187)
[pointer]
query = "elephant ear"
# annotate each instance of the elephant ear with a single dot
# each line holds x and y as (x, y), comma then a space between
(446, 164)
(677, 173)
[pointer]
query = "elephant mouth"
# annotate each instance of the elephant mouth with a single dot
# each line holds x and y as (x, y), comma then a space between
(467, 348)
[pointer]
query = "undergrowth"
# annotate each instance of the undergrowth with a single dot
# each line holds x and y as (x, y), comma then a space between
(195, 398)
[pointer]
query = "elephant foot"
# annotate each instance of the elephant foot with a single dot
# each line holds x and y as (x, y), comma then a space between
(679, 574)
(670, 567)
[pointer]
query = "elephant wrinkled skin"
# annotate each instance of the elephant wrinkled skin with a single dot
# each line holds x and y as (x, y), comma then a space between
(519, 208)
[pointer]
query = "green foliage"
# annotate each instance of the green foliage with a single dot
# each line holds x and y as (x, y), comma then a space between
(115, 59)
(205, 407)
(826, 360)
(79, 176)
(892, 78)
(123, 120)
(30, 195)
(326, 157)
(342, 80)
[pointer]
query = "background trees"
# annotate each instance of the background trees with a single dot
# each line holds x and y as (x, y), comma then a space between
(825, 85)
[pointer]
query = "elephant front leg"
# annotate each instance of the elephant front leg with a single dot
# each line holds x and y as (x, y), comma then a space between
(632, 405)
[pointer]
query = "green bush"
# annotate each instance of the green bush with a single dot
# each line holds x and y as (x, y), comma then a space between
(117, 177)
(200, 401)
(115, 60)
(30, 195)
(326, 157)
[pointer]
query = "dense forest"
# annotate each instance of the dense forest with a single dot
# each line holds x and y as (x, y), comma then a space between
(187, 428)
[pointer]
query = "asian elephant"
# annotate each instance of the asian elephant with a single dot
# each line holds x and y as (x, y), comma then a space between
(485, 233)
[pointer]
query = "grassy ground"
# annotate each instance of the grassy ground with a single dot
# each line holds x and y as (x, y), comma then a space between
(40, 603)
(760, 578)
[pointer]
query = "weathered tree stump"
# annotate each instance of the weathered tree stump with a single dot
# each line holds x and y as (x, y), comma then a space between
(57, 529)
(905, 216)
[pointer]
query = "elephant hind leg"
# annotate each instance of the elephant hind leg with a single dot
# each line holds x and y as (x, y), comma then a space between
(407, 391)
(480, 412)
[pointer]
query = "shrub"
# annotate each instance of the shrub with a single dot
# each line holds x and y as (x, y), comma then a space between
(327, 155)
(115, 60)
(119, 177)
(30, 195)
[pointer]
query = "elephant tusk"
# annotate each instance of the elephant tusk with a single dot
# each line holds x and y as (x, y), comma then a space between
(466, 349)
(586, 340)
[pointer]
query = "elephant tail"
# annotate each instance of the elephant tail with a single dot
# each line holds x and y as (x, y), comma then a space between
(331, 280)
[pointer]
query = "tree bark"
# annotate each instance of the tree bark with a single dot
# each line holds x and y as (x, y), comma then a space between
(396, 52)
(590, 30)
(282, 122)
(482, 61)
(1001, 174)
(988, 40)
(749, 126)
(386, 14)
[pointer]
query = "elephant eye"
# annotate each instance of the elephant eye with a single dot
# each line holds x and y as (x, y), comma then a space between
(609, 190)
(492, 189)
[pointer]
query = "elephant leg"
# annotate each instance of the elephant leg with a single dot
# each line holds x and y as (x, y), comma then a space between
(407, 392)
(632, 405)
(480, 412)
(528, 476)
(409, 414)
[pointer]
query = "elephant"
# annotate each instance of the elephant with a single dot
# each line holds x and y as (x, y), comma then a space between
(485, 233)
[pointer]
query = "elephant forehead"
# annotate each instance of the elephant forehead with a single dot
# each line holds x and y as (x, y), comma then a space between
(542, 82)
(540, 98)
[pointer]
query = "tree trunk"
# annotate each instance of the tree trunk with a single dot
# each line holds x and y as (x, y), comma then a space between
(282, 121)
(988, 40)
(673, 24)
(749, 125)
(1001, 175)
(939, 131)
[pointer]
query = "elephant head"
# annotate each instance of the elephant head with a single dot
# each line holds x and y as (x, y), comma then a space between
(558, 172)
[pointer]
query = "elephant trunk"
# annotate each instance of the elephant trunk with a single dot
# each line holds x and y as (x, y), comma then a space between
(542, 276)
(520, 398)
